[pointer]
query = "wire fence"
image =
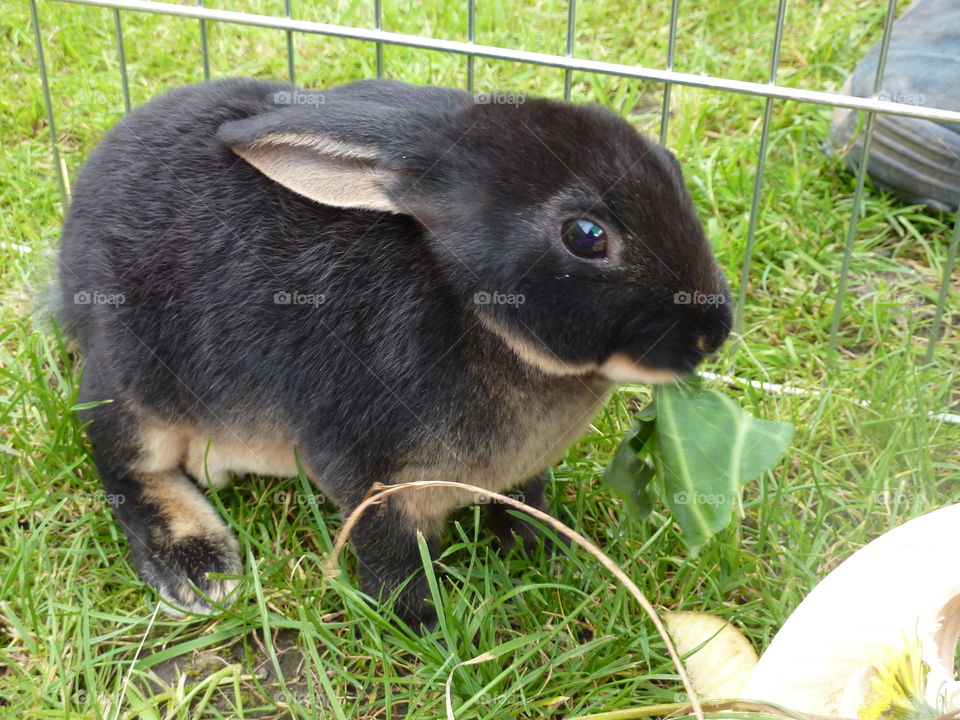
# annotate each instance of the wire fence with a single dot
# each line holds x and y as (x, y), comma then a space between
(569, 63)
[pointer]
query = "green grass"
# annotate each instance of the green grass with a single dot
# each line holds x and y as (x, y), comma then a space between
(77, 633)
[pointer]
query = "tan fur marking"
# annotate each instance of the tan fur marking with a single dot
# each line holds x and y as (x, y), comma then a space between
(185, 510)
(530, 354)
(262, 456)
(620, 368)
(166, 446)
(162, 446)
(543, 445)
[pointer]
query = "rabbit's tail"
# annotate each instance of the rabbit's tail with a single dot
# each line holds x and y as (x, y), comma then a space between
(41, 298)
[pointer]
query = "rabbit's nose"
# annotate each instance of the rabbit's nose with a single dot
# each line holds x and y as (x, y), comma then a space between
(709, 343)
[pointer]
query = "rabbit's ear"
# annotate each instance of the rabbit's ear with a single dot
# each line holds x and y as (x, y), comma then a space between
(314, 164)
(322, 169)
(342, 152)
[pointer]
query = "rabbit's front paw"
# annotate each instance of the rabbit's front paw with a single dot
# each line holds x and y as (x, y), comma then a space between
(411, 604)
(389, 555)
(511, 526)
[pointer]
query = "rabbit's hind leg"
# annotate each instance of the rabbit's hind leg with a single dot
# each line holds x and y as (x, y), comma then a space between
(176, 537)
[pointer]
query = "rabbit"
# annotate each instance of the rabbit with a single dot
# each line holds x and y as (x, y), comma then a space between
(379, 282)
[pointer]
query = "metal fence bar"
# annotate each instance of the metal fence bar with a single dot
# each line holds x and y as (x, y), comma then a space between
(378, 24)
(203, 46)
(38, 42)
(671, 50)
(861, 180)
(571, 34)
(121, 53)
(761, 166)
(291, 70)
(944, 291)
(817, 97)
(471, 38)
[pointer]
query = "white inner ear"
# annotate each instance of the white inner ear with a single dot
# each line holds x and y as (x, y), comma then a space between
(328, 172)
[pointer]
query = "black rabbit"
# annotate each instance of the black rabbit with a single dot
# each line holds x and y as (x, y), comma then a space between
(382, 281)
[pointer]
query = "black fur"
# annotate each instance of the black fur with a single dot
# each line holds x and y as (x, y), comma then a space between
(389, 370)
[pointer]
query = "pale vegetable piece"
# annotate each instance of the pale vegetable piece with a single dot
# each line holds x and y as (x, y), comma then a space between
(891, 610)
(724, 660)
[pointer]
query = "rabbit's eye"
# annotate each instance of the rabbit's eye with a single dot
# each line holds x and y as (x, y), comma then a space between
(584, 238)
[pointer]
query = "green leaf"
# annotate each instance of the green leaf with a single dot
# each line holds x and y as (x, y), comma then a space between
(698, 448)
(709, 447)
(629, 473)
